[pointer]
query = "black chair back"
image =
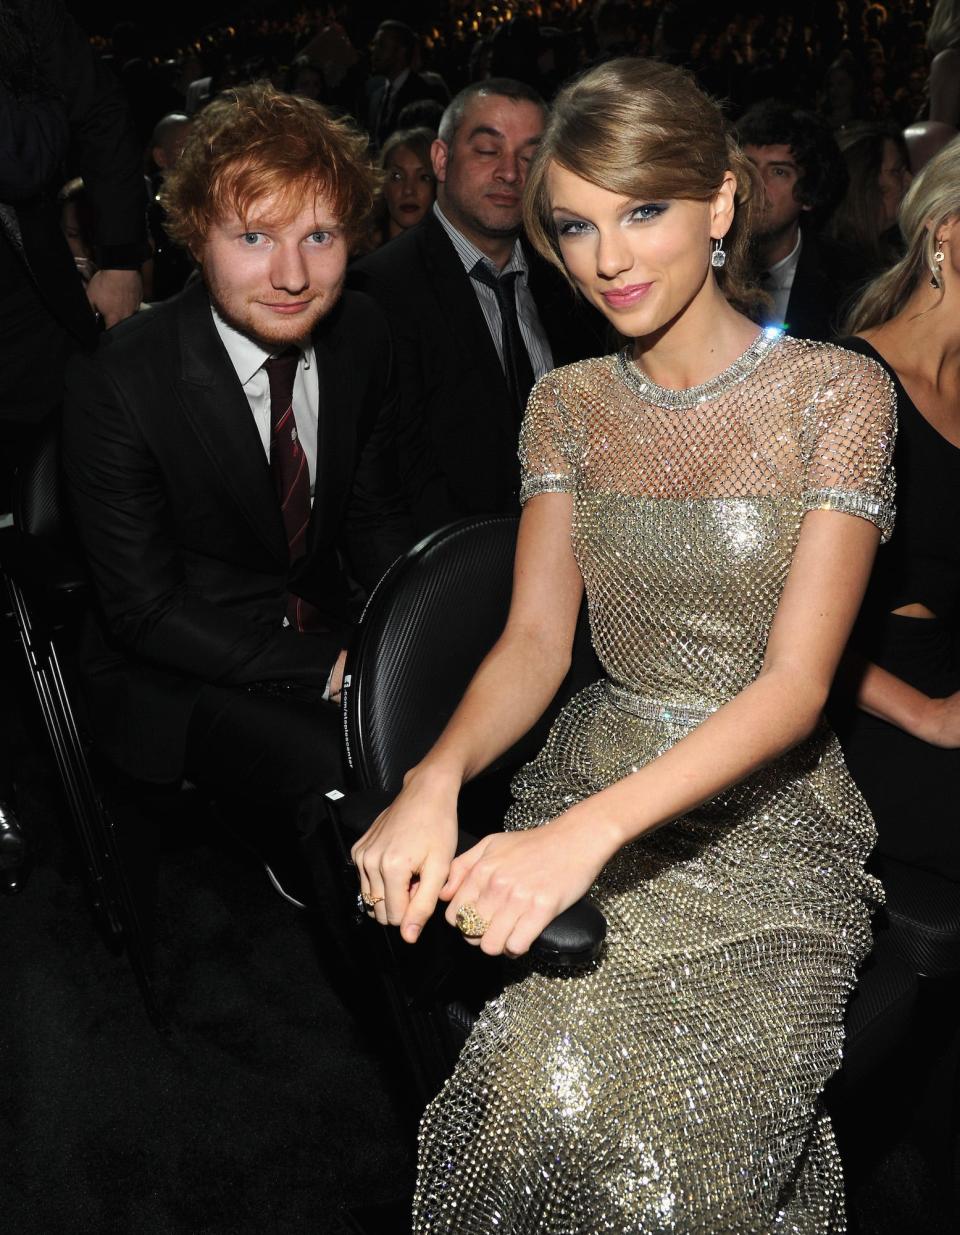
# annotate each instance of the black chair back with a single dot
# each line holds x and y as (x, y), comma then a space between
(429, 623)
(38, 500)
(427, 626)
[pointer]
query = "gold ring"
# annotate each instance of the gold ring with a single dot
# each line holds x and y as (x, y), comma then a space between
(469, 922)
(369, 900)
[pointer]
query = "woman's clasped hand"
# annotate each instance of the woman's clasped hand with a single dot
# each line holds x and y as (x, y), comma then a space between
(515, 882)
(404, 859)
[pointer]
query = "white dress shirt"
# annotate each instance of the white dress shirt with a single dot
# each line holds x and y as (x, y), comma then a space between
(779, 282)
(247, 359)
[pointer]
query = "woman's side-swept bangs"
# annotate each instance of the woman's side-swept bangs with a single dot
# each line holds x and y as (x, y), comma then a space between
(646, 131)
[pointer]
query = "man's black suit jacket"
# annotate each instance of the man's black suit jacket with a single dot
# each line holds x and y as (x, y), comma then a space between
(458, 430)
(413, 90)
(179, 518)
(821, 286)
(44, 311)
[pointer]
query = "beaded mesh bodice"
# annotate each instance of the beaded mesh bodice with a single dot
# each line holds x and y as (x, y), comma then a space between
(688, 503)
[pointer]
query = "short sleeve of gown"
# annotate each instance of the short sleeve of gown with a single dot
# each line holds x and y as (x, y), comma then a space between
(850, 433)
(548, 450)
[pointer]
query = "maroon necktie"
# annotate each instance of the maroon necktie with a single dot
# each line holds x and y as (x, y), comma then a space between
(291, 474)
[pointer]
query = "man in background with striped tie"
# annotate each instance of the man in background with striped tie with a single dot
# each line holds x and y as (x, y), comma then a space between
(476, 315)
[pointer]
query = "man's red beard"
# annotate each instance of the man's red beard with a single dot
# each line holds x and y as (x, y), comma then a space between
(282, 331)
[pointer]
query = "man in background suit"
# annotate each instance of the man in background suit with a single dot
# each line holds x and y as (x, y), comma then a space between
(806, 275)
(394, 53)
(476, 315)
(57, 100)
(229, 459)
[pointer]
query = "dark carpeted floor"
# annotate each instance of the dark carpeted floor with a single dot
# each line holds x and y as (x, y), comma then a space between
(270, 1107)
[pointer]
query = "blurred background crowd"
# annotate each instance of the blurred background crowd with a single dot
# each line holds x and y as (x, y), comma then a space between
(871, 72)
(849, 59)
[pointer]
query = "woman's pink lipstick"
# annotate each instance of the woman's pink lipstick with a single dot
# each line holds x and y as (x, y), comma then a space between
(622, 297)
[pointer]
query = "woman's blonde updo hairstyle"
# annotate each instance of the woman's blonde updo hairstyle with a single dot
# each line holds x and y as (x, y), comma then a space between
(646, 130)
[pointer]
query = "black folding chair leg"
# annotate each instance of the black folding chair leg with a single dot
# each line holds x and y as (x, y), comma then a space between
(113, 901)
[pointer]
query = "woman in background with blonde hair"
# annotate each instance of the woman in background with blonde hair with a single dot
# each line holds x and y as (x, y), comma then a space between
(720, 491)
(409, 185)
(902, 739)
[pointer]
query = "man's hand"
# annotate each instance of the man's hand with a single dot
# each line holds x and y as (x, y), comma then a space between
(115, 294)
(336, 676)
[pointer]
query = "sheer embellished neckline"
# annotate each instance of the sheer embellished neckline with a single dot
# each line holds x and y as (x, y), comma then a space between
(691, 396)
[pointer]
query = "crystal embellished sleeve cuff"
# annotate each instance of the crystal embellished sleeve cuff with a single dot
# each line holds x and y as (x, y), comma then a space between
(878, 510)
(550, 482)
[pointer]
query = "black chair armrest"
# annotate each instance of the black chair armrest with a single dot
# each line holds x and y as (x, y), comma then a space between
(573, 939)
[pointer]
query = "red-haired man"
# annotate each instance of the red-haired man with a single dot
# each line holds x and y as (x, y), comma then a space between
(229, 458)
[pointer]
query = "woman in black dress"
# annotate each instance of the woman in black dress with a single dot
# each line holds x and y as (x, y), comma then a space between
(902, 740)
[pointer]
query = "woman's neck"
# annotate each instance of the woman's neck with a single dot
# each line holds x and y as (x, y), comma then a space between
(700, 342)
(923, 340)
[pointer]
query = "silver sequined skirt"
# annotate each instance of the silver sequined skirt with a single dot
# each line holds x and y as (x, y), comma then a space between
(674, 1086)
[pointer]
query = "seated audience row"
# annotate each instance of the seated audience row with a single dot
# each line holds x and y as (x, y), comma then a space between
(247, 458)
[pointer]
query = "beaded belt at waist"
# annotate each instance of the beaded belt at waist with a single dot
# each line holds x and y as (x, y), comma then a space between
(657, 709)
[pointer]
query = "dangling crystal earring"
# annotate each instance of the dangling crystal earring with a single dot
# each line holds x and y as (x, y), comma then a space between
(936, 278)
(718, 257)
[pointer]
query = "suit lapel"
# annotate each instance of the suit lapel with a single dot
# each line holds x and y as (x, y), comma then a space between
(811, 298)
(219, 414)
(572, 329)
(461, 312)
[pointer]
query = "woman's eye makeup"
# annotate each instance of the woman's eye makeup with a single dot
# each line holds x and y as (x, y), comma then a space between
(636, 214)
(649, 210)
(572, 227)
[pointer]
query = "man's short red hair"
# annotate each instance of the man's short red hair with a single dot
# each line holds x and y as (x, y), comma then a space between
(253, 142)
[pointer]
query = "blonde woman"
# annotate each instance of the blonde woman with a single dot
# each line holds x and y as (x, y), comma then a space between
(720, 492)
(902, 740)
(409, 185)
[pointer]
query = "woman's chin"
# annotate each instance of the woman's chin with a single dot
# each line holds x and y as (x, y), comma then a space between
(406, 221)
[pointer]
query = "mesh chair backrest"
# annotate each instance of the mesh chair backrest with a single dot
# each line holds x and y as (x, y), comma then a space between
(37, 494)
(432, 619)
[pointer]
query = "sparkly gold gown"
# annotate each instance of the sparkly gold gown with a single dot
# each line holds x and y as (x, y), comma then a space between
(675, 1087)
